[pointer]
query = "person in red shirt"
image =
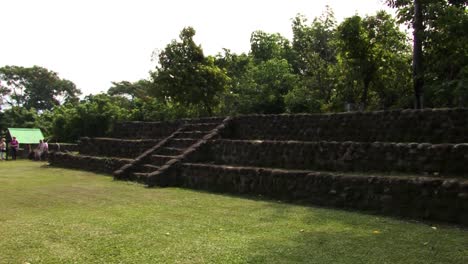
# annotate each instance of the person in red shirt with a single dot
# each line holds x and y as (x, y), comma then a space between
(14, 145)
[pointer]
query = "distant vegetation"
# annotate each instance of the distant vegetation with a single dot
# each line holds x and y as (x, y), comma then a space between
(362, 63)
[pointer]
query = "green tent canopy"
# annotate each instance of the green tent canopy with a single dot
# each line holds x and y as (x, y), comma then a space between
(26, 135)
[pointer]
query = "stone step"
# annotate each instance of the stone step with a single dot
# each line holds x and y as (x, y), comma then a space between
(203, 127)
(206, 120)
(190, 135)
(180, 143)
(140, 177)
(416, 197)
(84, 162)
(115, 147)
(147, 168)
(444, 160)
(169, 151)
(160, 160)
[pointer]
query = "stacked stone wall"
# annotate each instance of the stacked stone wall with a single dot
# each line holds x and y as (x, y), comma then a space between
(113, 147)
(442, 159)
(63, 147)
(431, 125)
(416, 197)
(145, 130)
(90, 163)
(139, 130)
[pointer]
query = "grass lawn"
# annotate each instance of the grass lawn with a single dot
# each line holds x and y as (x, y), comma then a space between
(51, 215)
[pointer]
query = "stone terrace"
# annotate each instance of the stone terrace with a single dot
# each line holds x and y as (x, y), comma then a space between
(408, 163)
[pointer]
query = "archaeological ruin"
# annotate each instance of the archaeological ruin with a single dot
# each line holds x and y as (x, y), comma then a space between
(408, 163)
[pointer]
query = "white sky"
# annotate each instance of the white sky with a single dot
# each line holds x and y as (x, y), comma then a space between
(94, 42)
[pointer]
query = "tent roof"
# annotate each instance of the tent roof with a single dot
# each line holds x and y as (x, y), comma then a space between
(26, 135)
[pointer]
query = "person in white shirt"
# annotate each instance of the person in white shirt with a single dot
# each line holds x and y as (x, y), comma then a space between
(41, 151)
(2, 149)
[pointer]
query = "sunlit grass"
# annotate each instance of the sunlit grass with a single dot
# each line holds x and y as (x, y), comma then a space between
(51, 215)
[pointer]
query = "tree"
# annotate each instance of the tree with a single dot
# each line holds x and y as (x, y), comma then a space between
(265, 46)
(186, 77)
(18, 117)
(139, 89)
(35, 87)
(373, 52)
(92, 117)
(261, 88)
(441, 40)
(418, 71)
(319, 38)
(315, 50)
(238, 68)
(261, 79)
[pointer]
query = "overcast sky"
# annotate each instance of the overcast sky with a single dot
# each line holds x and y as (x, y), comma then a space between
(94, 42)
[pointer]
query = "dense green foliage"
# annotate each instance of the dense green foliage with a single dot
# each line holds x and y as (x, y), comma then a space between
(377, 59)
(35, 87)
(186, 77)
(445, 49)
(52, 215)
(362, 63)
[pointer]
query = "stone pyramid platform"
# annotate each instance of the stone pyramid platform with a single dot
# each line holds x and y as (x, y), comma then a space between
(410, 163)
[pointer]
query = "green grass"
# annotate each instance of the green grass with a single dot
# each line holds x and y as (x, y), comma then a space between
(51, 215)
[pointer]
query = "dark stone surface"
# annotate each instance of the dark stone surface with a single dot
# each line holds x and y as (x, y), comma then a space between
(145, 130)
(441, 159)
(428, 125)
(415, 197)
(63, 147)
(89, 163)
(138, 130)
(113, 147)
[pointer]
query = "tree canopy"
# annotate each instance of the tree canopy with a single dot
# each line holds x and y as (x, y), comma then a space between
(362, 63)
(186, 77)
(35, 87)
(444, 39)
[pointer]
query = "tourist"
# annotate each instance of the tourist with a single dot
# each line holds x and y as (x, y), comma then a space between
(14, 145)
(38, 151)
(41, 151)
(2, 149)
(45, 150)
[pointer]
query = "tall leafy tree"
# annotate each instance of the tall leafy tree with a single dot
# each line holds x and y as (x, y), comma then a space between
(261, 79)
(93, 116)
(139, 89)
(441, 39)
(315, 50)
(264, 87)
(373, 56)
(315, 40)
(238, 68)
(265, 46)
(35, 87)
(186, 77)
(18, 117)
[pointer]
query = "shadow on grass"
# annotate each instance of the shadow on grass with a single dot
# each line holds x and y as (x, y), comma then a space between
(273, 201)
(329, 235)
(281, 204)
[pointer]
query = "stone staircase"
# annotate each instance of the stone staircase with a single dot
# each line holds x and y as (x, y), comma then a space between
(129, 141)
(171, 150)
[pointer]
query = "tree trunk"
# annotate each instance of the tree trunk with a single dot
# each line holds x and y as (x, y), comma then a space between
(418, 72)
(365, 94)
(208, 108)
